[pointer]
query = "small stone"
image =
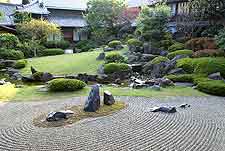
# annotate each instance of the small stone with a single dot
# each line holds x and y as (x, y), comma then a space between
(108, 98)
(164, 109)
(101, 56)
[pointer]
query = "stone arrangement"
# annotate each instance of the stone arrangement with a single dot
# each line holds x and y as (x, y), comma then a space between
(92, 103)
(108, 98)
(56, 116)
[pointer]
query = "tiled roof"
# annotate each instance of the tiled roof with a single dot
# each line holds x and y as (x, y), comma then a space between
(7, 10)
(34, 8)
(138, 3)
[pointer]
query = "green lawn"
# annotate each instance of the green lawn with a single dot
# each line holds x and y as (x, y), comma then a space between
(31, 93)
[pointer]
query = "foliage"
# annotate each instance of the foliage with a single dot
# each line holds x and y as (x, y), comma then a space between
(28, 48)
(11, 54)
(63, 44)
(86, 45)
(114, 57)
(20, 64)
(21, 17)
(201, 43)
(115, 67)
(159, 59)
(209, 53)
(181, 77)
(52, 52)
(176, 46)
(215, 87)
(220, 39)
(134, 42)
(57, 85)
(205, 65)
(8, 41)
(114, 43)
(152, 22)
(103, 16)
(211, 31)
(187, 52)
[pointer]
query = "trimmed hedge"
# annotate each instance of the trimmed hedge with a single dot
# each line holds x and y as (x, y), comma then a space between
(176, 46)
(63, 44)
(181, 78)
(114, 57)
(159, 59)
(62, 85)
(11, 54)
(20, 64)
(134, 42)
(179, 52)
(115, 67)
(114, 43)
(52, 52)
(214, 87)
(85, 45)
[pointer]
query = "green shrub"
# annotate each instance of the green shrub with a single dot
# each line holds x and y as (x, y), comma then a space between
(220, 39)
(86, 45)
(159, 59)
(63, 44)
(206, 65)
(52, 52)
(114, 57)
(181, 78)
(20, 64)
(115, 67)
(28, 49)
(201, 43)
(179, 52)
(134, 42)
(8, 41)
(214, 87)
(209, 53)
(176, 46)
(11, 54)
(58, 85)
(114, 43)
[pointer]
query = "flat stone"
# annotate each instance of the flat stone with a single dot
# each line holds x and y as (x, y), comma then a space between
(164, 109)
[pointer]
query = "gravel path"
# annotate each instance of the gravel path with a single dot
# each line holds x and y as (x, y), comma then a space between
(199, 128)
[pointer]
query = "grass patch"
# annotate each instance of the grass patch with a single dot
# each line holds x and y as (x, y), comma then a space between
(79, 115)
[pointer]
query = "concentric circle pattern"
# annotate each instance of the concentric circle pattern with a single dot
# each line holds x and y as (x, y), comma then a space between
(199, 128)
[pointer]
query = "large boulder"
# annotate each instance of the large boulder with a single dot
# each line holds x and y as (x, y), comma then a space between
(92, 103)
(108, 98)
(56, 116)
(101, 56)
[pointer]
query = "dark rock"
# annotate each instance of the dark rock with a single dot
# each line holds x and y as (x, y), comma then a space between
(92, 104)
(136, 67)
(16, 76)
(107, 49)
(147, 48)
(164, 109)
(33, 71)
(46, 77)
(7, 63)
(11, 71)
(119, 47)
(101, 56)
(164, 82)
(147, 57)
(108, 98)
(163, 53)
(56, 116)
(177, 71)
(185, 105)
(138, 86)
(216, 76)
(101, 69)
(28, 79)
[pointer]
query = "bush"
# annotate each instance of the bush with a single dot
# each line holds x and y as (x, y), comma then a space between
(58, 85)
(206, 65)
(176, 46)
(114, 43)
(20, 64)
(114, 57)
(159, 59)
(8, 41)
(209, 53)
(11, 54)
(86, 45)
(115, 67)
(63, 44)
(215, 87)
(28, 49)
(179, 52)
(201, 43)
(220, 39)
(181, 78)
(52, 52)
(134, 42)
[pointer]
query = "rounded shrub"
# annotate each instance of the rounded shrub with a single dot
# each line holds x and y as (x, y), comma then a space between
(85, 45)
(159, 59)
(114, 43)
(20, 64)
(52, 52)
(63, 44)
(209, 53)
(114, 57)
(8, 40)
(11, 54)
(115, 67)
(176, 46)
(214, 87)
(181, 78)
(179, 52)
(62, 85)
(220, 39)
(134, 42)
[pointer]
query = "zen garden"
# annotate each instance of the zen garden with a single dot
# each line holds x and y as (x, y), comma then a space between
(112, 75)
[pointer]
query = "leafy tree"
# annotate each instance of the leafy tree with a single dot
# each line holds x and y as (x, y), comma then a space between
(152, 23)
(36, 31)
(103, 17)
(20, 17)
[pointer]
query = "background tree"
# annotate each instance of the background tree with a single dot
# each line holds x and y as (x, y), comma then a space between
(103, 17)
(21, 17)
(36, 32)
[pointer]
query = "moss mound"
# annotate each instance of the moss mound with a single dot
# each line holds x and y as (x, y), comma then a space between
(159, 59)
